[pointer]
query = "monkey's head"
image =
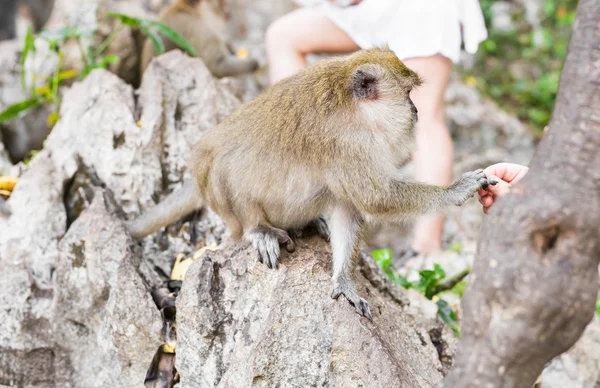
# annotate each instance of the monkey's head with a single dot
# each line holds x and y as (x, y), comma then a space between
(378, 78)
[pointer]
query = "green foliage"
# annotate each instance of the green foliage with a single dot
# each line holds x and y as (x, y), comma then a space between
(429, 280)
(448, 315)
(456, 247)
(92, 58)
(598, 306)
(156, 40)
(152, 29)
(520, 68)
(28, 47)
(32, 154)
(428, 284)
(459, 288)
(17, 109)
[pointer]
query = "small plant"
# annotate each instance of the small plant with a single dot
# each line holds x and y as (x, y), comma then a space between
(520, 67)
(92, 58)
(430, 283)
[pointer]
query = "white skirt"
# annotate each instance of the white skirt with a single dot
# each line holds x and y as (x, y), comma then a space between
(413, 28)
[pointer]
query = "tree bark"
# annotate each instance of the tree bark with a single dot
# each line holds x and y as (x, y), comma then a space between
(535, 279)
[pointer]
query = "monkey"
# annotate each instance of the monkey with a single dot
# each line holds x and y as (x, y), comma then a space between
(196, 21)
(326, 141)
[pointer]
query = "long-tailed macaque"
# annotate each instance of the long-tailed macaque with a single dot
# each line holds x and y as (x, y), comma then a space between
(329, 141)
(196, 21)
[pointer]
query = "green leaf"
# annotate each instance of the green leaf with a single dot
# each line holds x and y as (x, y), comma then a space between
(448, 315)
(459, 289)
(173, 36)
(159, 46)
(42, 91)
(598, 306)
(28, 47)
(109, 59)
(67, 74)
(125, 19)
(403, 281)
(98, 65)
(439, 271)
(15, 110)
(383, 256)
(456, 247)
(429, 280)
(52, 119)
(88, 69)
(32, 155)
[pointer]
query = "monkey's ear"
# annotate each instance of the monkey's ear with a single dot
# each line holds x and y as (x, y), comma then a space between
(364, 82)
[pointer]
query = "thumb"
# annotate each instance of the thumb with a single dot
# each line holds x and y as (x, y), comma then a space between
(500, 188)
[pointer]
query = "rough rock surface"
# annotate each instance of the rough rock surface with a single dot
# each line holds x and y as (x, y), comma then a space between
(106, 325)
(117, 151)
(98, 145)
(241, 324)
(580, 366)
(140, 151)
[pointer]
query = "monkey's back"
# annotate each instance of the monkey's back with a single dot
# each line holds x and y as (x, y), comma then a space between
(248, 167)
(272, 161)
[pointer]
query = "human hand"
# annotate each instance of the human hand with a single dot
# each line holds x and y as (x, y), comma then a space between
(506, 174)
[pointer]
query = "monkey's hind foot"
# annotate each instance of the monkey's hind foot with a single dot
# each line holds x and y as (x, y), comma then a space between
(361, 305)
(284, 238)
(266, 242)
(319, 224)
(322, 228)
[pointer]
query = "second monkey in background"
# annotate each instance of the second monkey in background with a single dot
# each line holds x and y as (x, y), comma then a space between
(198, 22)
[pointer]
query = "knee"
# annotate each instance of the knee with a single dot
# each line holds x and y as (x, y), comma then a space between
(432, 126)
(431, 111)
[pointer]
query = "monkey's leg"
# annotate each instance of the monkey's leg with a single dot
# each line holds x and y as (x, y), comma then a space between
(345, 226)
(319, 224)
(229, 65)
(266, 240)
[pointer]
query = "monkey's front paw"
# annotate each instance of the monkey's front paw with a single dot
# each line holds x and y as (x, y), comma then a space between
(467, 186)
(267, 246)
(361, 305)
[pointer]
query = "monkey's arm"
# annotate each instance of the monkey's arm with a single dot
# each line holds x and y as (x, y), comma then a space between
(396, 199)
(229, 65)
(178, 204)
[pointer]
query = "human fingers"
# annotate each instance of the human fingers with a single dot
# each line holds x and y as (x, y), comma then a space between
(499, 188)
(508, 172)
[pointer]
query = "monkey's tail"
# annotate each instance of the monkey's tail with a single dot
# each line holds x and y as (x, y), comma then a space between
(177, 204)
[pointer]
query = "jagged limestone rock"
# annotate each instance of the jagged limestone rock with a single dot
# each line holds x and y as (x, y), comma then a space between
(241, 324)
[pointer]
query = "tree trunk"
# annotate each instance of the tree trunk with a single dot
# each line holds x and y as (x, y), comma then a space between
(535, 279)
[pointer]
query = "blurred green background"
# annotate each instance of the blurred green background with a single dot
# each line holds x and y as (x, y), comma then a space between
(519, 65)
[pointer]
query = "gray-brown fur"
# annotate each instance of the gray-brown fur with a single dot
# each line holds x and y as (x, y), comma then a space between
(204, 29)
(327, 141)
